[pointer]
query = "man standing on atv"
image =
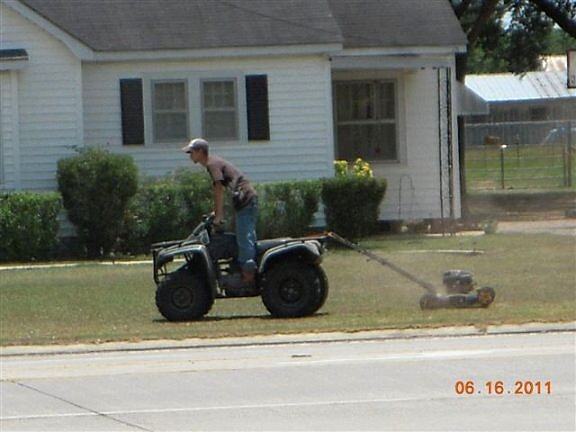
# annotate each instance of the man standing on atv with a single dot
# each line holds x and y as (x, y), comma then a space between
(245, 202)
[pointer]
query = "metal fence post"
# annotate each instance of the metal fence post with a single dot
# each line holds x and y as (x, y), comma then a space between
(502, 147)
(570, 143)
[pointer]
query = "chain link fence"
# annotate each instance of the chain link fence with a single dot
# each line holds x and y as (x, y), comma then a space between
(521, 155)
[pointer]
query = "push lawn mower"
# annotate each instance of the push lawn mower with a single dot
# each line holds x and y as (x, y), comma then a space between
(459, 284)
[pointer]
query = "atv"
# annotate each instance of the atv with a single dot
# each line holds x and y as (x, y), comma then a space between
(190, 274)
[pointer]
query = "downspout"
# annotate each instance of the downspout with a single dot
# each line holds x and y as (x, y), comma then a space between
(440, 158)
(449, 140)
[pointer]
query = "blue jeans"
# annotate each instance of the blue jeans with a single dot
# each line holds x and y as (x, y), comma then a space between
(246, 235)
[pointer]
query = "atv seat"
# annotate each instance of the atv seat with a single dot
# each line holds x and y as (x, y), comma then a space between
(263, 245)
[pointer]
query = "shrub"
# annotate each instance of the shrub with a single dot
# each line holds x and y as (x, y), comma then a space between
(197, 196)
(28, 225)
(96, 187)
(154, 214)
(352, 199)
(165, 209)
(286, 208)
(169, 208)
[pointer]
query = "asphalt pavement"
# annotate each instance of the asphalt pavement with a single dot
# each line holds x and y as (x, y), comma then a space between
(506, 381)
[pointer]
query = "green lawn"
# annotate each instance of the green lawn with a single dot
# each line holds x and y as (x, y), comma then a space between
(534, 277)
(525, 167)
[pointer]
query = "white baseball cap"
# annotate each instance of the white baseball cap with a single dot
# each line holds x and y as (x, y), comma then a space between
(196, 144)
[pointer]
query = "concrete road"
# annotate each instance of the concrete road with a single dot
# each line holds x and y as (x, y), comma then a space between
(404, 384)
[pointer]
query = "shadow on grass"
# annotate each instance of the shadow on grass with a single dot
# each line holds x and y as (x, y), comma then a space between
(237, 318)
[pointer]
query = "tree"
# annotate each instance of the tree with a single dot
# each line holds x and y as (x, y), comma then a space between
(511, 35)
(506, 35)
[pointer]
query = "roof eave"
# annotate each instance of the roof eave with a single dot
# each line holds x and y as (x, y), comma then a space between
(230, 52)
(79, 49)
(416, 50)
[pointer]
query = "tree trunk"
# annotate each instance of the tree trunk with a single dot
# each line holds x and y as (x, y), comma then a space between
(558, 15)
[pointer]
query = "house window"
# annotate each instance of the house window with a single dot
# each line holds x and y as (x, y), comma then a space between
(366, 120)
(170, 110)
(219, 110)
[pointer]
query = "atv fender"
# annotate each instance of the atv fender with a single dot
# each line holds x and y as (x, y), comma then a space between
(195, 254)
(309, 251)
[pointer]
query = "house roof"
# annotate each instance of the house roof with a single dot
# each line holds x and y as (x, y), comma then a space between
(397, 23)
(135, 25)
(510, 87)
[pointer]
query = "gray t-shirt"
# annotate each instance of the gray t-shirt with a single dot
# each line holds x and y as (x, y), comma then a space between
(222, 171)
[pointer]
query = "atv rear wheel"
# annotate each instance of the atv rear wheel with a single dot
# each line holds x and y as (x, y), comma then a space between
(183, 296)
(486, 296)
(293, 290)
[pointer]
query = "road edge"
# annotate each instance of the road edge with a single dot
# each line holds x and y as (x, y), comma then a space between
(288, 339)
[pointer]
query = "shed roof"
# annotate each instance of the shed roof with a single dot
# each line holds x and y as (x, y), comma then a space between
(510, 87)
(132, 25)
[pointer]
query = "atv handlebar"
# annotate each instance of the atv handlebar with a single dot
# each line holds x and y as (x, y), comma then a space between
(207, 223)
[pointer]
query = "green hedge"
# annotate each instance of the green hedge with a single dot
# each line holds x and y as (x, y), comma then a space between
(96, 187)
(287, 208)
(165, 209)
(169, 208)
(28, 225)
(351, 204)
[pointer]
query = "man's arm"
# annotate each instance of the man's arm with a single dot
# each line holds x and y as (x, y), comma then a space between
(218, 202)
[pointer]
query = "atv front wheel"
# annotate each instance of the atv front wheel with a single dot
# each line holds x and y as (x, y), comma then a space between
(183, 296)
(321, 289)
(292, 290)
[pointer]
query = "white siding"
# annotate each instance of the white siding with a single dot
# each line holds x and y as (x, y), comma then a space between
(300, 116)
(49, 100)
(62, 104)
(8, 160)
(414, 182)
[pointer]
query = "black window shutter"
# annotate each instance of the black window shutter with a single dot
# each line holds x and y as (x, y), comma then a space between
(132, 111)
(257, 107)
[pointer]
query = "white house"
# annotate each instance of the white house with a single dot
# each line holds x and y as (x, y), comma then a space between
(280, 87)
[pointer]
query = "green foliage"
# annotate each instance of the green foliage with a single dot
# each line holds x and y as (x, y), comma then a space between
(197, 196)
(528, 35)
(28, 225)
(170, 207)
(352, 204)
(165, 209)
(514, 36)
(559, 42)
(96, 187)
(287, 208)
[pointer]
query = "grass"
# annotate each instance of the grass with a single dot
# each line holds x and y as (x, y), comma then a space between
(534, 277)
(525, 167)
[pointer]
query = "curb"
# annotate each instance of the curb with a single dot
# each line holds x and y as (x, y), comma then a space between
(294, 339)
